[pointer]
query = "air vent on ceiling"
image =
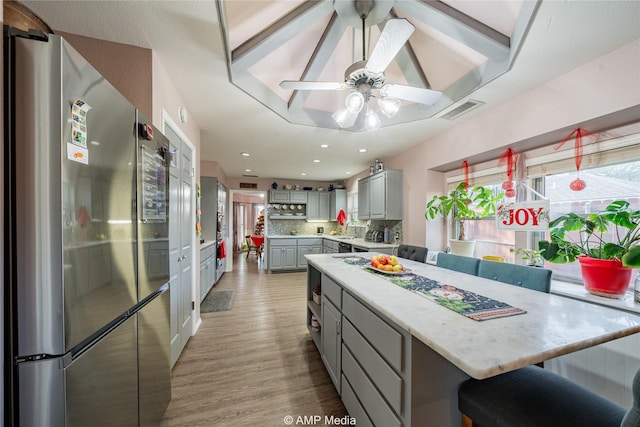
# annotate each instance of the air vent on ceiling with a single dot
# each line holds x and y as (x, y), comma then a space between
(461, 109)
(249, 185)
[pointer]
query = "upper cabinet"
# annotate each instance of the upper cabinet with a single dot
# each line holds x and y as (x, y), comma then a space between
(323, 206)
(318, 206)
(380, 196)
(337, 203)
(287, 196)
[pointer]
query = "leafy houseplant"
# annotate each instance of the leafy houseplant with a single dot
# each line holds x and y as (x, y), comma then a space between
(618, 253)
(531, 256)
(465, 204)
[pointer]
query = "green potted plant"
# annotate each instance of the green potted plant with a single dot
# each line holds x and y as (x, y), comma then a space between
(464, 203)
(532, 257)
(605, 262)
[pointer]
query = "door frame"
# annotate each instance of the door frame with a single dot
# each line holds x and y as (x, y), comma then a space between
(195, 255)
(230, 229)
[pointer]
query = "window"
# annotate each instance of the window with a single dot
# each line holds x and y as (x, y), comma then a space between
(490, 240)
(352, 206)
(604, 185)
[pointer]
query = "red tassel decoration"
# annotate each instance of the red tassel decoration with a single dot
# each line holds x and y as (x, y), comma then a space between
(577, 184)
(465, 168)
(509, 157)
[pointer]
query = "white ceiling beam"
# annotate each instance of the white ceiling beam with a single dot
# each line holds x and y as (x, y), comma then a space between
(279, 33)
(319, 59)
(457, 25)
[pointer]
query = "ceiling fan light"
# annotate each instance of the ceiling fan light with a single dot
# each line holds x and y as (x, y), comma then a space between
(389, 106)
(344, 118)
(354, 102)
(371, 120)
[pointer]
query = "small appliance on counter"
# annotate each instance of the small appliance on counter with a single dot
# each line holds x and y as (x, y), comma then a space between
(374, 236)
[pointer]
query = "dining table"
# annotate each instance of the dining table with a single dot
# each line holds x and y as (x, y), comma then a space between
(453, 347)
(259, 242)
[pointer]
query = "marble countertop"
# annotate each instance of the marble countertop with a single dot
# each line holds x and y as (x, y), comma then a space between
(352, 241)
(553, 325)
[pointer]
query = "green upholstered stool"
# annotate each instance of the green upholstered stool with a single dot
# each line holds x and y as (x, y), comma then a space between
(463, 264)
(535, 278)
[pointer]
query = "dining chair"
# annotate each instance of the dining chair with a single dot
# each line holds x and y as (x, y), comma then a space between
(251, 247)
(532, 396)
(414, 253)
(463, 264)
(535, 278)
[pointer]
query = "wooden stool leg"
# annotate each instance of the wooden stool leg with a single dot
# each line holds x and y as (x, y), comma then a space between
(467, 422)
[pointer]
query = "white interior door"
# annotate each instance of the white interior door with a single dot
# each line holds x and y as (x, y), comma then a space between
(181, 235)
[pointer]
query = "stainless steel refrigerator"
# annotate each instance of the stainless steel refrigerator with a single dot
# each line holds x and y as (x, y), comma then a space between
(86, 244)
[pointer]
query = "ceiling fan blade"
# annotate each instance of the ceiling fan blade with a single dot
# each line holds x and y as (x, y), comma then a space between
(394, 35)
(411, 93)
(295, 85)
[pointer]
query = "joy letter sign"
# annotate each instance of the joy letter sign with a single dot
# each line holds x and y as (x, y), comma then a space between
(528, 216)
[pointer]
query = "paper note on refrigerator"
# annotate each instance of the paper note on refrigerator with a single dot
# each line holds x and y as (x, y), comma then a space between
(79, 111)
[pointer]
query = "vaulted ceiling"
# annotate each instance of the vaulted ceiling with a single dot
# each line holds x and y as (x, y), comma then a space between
(456, 48)
(190, 41)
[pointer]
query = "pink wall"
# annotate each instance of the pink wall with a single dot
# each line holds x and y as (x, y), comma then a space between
(128, 68)
(604, 86)
(166, 98)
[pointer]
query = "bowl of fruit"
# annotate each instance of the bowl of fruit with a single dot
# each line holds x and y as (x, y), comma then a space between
(387, 264)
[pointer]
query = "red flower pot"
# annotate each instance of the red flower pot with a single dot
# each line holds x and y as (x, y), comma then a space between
(604, 277)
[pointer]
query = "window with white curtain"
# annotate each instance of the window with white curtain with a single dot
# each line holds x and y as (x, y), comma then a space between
(611, 170)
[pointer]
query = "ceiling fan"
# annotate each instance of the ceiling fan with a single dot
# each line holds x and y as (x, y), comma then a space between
(365, 76)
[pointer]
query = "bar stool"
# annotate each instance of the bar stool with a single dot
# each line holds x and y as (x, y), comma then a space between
(414, 253)
(534, 397)
(463, 264)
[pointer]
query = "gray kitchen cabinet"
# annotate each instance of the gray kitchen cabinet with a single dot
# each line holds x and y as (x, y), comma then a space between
(364, 195)
(331, 341)
(367, 357)
(329, 246)
(298, 197)
(380, 196)
(207, 269)
(282, 254)
(318, 205)
(337, 203)
(306, 247)
(288, 253)
(279, 196)
(287, 196)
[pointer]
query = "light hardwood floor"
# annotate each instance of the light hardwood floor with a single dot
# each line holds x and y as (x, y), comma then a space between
(255, 364)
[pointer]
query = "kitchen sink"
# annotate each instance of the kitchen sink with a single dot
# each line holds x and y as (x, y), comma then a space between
(345, 237)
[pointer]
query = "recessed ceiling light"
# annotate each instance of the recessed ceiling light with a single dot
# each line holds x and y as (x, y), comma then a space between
(324, 146)
(245, 154)
(348, 173)
(303, 174)
(316, 161)
(247, 170)
(362, 150)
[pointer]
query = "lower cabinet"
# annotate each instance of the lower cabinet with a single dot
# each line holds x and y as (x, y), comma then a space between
(283, 258)
(288, 254)
(207, 269)
(329, 246)
(368, 358)
(306, 247)
(331, 342)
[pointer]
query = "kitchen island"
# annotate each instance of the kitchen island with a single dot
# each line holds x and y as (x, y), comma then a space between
(398, 358)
